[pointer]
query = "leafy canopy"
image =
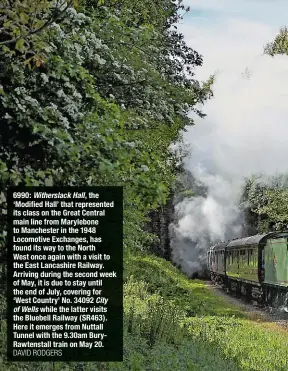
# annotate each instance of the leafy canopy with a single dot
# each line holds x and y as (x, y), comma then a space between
(111, 94)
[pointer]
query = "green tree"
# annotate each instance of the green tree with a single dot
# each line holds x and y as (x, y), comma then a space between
(267, 201)
(279, 45)
(107, 93)
(21, 25)
(104, 106)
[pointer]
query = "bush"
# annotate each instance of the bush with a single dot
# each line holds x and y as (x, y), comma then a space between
(151, 316)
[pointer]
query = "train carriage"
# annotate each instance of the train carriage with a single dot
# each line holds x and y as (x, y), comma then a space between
(244, 258)
(217, 262)
(276, 260)
(252, 264)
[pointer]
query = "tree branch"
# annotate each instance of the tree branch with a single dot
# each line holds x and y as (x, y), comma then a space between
(127, 83)
(33, 32)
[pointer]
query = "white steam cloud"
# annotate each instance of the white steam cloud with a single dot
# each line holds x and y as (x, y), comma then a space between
(245, 132)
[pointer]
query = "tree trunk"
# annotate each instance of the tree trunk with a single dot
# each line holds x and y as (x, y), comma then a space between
(159, 225)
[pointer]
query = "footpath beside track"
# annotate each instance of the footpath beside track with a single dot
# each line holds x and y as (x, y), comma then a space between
(253, 310)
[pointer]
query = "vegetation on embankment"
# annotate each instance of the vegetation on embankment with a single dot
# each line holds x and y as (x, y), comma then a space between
(211, 335)
(173, 323)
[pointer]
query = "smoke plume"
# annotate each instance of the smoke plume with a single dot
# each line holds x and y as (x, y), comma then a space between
(245, 132)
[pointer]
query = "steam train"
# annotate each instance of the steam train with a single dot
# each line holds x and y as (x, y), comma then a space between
(255, 267)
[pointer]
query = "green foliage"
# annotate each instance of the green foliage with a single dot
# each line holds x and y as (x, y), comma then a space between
(160, 334)
(22, 23)
(268, 199)
(62, 125)
(160, 13)
(276, 208)
(187, 193)
(100, 110)
(150, 316)
(191, 296)
(92, 94)
(212, 336)
(250, 345)
(107, 93)
(279, 45)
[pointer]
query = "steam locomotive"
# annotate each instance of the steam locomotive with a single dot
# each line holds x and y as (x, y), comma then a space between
(255, 266)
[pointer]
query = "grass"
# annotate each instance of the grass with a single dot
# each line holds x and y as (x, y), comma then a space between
(172, 323)
(191, 295)
(224, 336)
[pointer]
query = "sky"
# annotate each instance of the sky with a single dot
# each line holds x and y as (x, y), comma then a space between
(245, 131)
(250, 91)
(229, 32)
